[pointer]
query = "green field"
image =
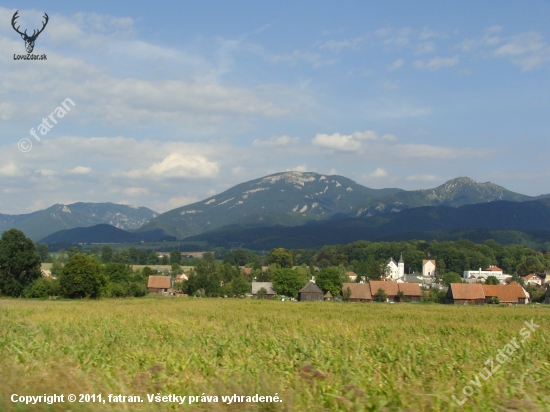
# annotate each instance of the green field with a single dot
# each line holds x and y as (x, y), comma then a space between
(315, 356)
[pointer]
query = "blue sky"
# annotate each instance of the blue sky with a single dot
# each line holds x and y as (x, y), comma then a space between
(176, 101)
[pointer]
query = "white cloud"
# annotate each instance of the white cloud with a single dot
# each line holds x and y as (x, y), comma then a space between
(436, 63)
(345, 143)
(425, 151)
(389, 137)
(396, 64)
(179, 165)
(396, 38)
(81, 170)
(377, 174)
(527, 50)
(337, 46)
(136, 191)
(276, 141)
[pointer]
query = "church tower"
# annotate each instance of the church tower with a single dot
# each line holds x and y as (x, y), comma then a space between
(401, 268)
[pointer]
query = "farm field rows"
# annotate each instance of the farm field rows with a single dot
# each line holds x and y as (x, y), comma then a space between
(314, 356)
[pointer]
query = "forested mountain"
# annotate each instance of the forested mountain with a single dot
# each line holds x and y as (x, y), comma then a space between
(104, 233)
(431, 222)
(288, 198)
(42, 223)
(456, 192)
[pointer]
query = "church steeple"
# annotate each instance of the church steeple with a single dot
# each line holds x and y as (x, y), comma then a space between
(401, 268)
(401, 258)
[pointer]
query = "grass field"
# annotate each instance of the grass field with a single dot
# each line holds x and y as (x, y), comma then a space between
(315, 356)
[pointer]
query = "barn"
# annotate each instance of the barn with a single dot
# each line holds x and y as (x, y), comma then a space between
(511, 293)
(310, 292)
(411, 291)
(360, 292)
(390, 288)
(465, 294)
(159, 284)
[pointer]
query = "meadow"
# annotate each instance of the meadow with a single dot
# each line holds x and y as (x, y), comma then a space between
(315, 356)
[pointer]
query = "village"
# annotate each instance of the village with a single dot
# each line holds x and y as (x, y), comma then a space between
(477, 287)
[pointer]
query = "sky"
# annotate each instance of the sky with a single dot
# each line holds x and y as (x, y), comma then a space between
(177, 101)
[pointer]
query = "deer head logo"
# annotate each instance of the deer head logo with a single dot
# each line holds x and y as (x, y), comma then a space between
(29, 40)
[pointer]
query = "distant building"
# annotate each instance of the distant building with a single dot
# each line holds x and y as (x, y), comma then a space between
(481, 275)
(389, 287)
(395, 270)
(328, 295)
(532, 279)
(159, 284)
(310, 292)
(465, 294)
(268, 286)
(360, 292)
(511, 293)
(411, 291)
(428, 268)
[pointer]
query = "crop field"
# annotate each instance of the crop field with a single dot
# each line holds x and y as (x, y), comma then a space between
(313, 356)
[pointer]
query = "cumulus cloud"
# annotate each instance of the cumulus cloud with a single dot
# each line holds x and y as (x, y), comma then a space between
(436, 63)
(81, 170)
(276, 141)
(345, 143)
(178, 165)
(376, 174)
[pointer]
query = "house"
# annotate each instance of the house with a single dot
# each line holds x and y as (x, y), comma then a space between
(418, 278)
(484, 274)
(360, 292)
(512, 293)
(428, 268)
(395, 270)
(310, 292)
(181, 278)
(389, 287)
(411, 291)
(352, 276)
(246, 271)
(159, 284)
(465, 294)
(268, 286)
(532, 279)
(328, 295)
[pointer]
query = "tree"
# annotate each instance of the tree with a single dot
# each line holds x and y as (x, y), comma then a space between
(42, 250)
(450, 277)
(240, 286)
(94, 252)
(106, 254)
(73, 250)
(134, 255)
(175, 256)
(82, 277)
(380, 295)
(209, 257)
(288, 282)
(56, 269)
(329, 279)
(117, 273)
(19, 263)
(165, 260)
(346, 294)
(262, 293)
(241, 257)
(153, 258)
(492, 280)
(281, 257)
(142, 257)
(401, 296)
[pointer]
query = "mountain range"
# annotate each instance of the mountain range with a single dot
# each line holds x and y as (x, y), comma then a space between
(42, 223)
(269, 207)
(484, 220)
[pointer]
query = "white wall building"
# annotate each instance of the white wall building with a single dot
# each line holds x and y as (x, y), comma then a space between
(395, 270)
(484, 274)
(428, 268)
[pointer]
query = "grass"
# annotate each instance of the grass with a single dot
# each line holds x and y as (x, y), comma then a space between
(315, 356)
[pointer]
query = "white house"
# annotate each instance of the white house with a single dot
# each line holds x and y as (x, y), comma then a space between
(428, 268)
(532, 279)
(395, 271)
(484, 274)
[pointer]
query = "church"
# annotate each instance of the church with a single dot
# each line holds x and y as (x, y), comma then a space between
(395, 271)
